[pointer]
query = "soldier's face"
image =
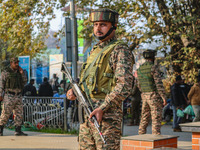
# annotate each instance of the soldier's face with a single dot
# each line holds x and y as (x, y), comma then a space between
(101, 28)
(14, 65)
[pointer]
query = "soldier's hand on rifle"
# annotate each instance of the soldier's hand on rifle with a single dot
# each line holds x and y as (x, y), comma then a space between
(98, 113)
(1, 98)
(70, 95)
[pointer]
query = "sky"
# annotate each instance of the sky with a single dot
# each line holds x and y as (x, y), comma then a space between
(58, 22)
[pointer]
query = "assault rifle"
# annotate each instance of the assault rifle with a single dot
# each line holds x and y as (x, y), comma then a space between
(81, 98)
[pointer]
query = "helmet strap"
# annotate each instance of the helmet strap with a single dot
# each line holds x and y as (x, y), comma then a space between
(107, 34)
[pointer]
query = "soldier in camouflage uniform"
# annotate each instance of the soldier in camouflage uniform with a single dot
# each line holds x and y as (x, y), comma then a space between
(12, 82)
(106, 82)
(153, 94)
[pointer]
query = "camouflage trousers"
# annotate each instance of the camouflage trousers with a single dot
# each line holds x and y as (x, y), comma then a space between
(151, 107)
(110, 127)
(12, 103)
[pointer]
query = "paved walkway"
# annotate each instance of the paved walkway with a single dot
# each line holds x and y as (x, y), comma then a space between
(37, 141)
(44, 141)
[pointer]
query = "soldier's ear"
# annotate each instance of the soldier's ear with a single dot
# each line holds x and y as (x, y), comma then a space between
(115, 26)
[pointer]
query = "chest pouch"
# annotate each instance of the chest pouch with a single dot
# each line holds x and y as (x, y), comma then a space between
(92, 80)
(110, 76)
(14, 81)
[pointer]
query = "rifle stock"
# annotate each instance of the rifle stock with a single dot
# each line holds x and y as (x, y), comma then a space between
(81, 98)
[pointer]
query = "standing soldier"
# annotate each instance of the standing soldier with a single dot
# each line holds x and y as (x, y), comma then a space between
(106, 79)
(153, 93)
(12, 82)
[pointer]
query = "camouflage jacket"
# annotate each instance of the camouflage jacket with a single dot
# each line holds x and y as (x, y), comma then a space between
(121, 62)
(3, 79)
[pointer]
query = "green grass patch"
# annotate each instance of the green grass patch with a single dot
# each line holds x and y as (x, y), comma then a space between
(57, 131)
(46, 130)
(127, 116)
(27, 126)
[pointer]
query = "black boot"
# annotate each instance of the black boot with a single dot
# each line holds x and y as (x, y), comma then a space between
(1, 130)
(18, 131)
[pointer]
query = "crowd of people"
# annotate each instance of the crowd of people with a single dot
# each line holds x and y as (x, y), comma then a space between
(48, 88)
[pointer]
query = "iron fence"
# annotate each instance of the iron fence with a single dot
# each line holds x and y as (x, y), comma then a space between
(51, 112)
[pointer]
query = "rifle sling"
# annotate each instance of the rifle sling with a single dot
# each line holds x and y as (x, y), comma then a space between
(88, 94)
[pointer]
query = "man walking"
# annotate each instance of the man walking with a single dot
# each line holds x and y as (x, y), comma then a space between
(11, 84)
(106, 78)
(153, 93)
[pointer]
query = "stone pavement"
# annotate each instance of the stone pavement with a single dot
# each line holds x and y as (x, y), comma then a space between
(46, 141)
(38, 141)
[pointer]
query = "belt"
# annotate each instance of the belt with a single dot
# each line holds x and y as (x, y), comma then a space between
(13, 93)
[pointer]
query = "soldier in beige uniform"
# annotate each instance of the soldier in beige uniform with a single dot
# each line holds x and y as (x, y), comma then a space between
(106, 78)
(12, 82)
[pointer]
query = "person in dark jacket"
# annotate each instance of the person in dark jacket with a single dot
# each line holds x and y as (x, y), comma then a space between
(29, 89)
(135, 97)
(45, 88)
(178, 101)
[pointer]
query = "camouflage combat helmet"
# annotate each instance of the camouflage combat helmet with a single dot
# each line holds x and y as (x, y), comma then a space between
(107, 15)
(104, 14)
(149, 54)
(14, 59)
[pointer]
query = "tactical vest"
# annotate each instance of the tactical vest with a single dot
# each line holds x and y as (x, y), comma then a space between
(13, 80)
(145, 78)
(96, 77)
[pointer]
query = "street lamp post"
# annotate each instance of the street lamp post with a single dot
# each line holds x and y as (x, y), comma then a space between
(74, 40)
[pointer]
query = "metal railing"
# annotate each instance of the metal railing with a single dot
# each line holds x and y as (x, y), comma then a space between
(46, 112)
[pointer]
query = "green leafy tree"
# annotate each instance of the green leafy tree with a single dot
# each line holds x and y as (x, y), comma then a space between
(173, 22)
(25, 24)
